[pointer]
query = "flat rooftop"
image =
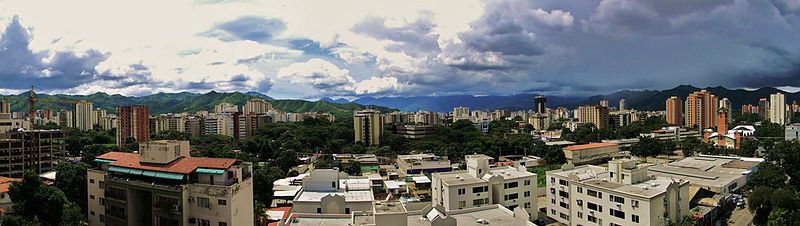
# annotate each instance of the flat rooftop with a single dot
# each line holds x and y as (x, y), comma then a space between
(494, 216)
(589, 146)
(509, 172)
(706, 171)
(349, 196)
(307, 220)
(459, 177)
(647, 189)
(584, 172)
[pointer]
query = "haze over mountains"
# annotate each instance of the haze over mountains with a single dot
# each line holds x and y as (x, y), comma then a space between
(189, 102)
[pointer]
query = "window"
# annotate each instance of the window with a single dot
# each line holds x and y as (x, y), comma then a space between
(203, 202)
(552, 180)
(562, 182)
(623, 176)
(222, 202)
(527, 205)
(333, 184)
(91, 197)
(102, 218)
(580, 214)
(462, 191)
(462, 204)
(580, 190)
(563, 216)
(91, 181)
(616, 199)
(480, 189)
(580, 202)
(346, 210)
(635, 218)
(203, 222)
(91, 213)
(612, 174)
(591, 192)
(552, 211)
(594, 207)
(526, 194)
(511, 196)
(591, 218)
(563, 205)
(510, 185)
(223, 224)
(552, 191)
(101, 184)
(613, 224)
(616, 213)
(553, 201)
(563, 194)
(527, 182)
(635, 203)
(478, 202)
(319, 210)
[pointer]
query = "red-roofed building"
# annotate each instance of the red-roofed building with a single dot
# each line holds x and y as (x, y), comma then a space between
(164, 185)
(5, 199)
(590, 153)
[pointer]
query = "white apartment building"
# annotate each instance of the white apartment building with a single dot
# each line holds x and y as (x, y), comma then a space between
(777, 108)
(481, 185)
(621, 194)
(328, 191)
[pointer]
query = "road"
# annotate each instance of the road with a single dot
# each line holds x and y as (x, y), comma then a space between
(741, 217)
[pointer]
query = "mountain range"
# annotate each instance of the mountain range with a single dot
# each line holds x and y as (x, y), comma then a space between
(188, 102)
(649, 100)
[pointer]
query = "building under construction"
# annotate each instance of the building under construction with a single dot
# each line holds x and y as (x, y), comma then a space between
(36, 150)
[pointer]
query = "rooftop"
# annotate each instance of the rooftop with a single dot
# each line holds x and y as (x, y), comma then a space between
(349, 196)
(495, 215)
(589, 146)
(182, 165)
(705, 170)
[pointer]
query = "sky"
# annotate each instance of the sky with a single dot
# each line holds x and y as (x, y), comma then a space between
(353, 48)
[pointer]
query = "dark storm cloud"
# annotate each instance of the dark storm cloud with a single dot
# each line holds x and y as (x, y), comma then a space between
(21, 67)
(253, 28)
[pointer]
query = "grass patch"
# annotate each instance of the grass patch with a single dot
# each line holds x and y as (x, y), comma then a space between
(540, 172)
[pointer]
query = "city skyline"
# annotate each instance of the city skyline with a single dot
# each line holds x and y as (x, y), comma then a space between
(309, 50)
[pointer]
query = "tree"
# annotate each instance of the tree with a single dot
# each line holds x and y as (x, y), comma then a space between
(759, 203)
(647, 147)
(748, 148)
(14, 220)
(263, 177)
(786, 154)
(72, 215)
(71, 179)
(287, 160)
(90, 152)
(32, 200)
(353, 168)
(768, 175)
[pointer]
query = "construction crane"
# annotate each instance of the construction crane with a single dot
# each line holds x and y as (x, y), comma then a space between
(32, 99)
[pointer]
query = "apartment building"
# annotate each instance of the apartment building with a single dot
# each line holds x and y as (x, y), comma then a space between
(257, 106)
(414, 131)
(620, 194)
(672, 133)
(422, 164)
(83, 115)
(8, 123)
(701, 109)
(718, 174)
(368, 127)
(133, 122)
(597, 115)
(36, 150)
(480, 185)
(328, 191)
(163, 185)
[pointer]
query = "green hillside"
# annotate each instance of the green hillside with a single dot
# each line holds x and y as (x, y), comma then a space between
(188, 102)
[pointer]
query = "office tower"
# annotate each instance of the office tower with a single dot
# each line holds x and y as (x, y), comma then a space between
(460, 113)
(195, 126)
(540, 104)
(368, 126)
(700, 109)
(256, 105)
(133, 122)
(777, 108)
(604, 103)
(622, 104)
(226, 108)
(763, 108)
(597, 115)
(36, 150)
(675, 111)
(725, 103)
(83, 115)
(163, 184)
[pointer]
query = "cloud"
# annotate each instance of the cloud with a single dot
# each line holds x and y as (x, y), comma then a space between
(319, 74)
(253, 28)
(21, 67)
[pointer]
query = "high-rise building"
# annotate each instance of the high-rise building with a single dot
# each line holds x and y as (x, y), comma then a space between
(701, 109)
(65, 118)
(195, 126)
(164, 185)
(460, 113)
(133, 122)
(777, 108)
(226, 108)
(36, 150)
(604, 103)
(256, 105)
(368, 126)
(763, 108)
(5, 106)
(83, 115)
(622, 104)
(540, 104)
(675, 111)
(725, 103)
(597, 115)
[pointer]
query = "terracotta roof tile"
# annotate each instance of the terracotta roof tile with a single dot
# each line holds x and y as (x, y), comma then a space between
(5, 183)
(589, 145)
(182, 165)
